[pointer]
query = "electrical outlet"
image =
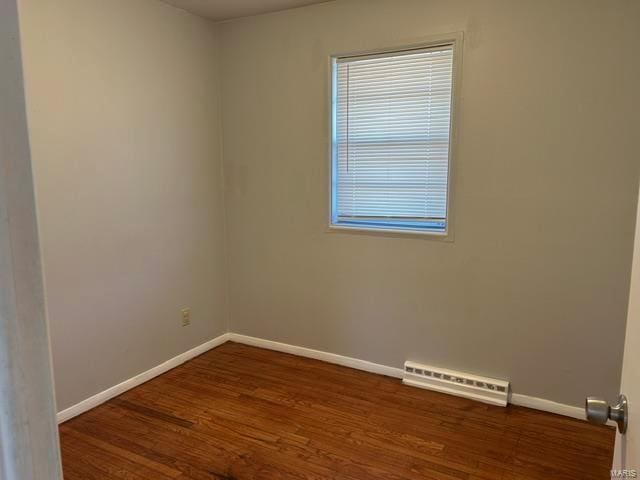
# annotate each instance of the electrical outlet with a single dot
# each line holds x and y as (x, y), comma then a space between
(186, 316)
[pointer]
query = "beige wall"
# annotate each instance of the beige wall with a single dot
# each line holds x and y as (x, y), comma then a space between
(124, 121)
(534, 288)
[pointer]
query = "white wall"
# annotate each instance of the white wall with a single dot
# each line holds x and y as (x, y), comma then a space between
(124, 122)
(534, 288)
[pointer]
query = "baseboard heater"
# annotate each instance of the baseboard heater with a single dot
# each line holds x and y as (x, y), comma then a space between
(483, 389)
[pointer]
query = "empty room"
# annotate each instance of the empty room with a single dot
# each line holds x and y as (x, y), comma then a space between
(307, 239)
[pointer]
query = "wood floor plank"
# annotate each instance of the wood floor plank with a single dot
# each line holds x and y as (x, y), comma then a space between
(244, 413)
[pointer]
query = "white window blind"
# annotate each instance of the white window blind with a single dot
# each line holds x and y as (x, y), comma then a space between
(392, 116)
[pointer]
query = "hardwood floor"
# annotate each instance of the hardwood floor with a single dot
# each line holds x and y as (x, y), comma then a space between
(243, 413)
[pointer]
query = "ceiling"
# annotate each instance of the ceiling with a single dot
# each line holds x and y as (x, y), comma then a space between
(227, 9)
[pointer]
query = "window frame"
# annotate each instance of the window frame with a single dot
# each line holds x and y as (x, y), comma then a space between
(455, 41)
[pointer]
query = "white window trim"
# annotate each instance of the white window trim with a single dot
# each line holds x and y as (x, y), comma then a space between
(456, 41)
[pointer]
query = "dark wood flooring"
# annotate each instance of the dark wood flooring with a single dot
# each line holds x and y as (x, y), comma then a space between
(243, 413)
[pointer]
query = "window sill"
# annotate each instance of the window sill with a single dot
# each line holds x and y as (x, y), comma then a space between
(390, 232)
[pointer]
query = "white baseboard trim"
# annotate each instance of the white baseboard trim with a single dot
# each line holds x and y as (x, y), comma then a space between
(318, 355)
(515, 398)
(547, 406)
(119, 389)
(94, 401)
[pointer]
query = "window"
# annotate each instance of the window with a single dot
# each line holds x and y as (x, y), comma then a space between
(391, 140)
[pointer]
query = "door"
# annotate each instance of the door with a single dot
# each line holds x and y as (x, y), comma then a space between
(627, 454)
(28, 431)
